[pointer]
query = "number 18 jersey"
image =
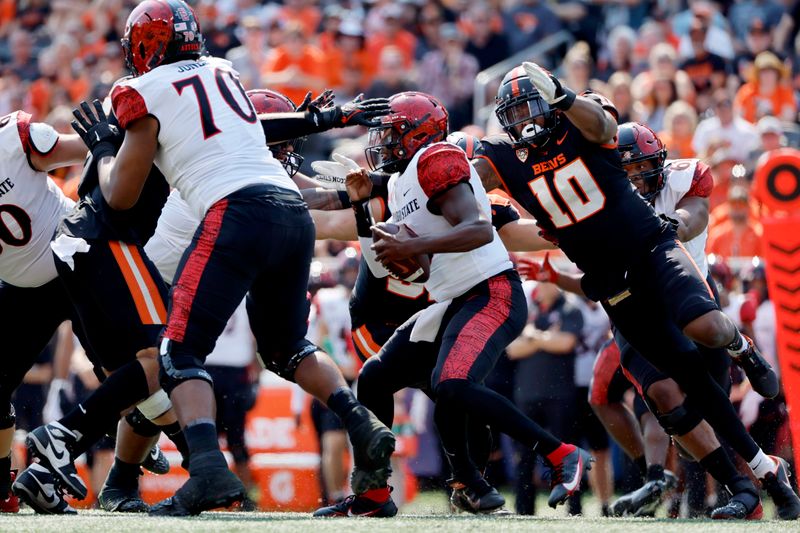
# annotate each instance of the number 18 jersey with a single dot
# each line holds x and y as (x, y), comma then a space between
(211, 142)
(578, 192)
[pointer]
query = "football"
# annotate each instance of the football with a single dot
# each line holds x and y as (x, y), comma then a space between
(414, 269)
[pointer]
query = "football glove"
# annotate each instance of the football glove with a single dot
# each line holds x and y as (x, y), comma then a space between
(331, 174)
(323, 101)
(530, 269)
(549, 87)
(99, 132)
(357, 112)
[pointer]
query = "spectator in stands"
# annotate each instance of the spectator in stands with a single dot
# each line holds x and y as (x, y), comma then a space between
(528, 22)
(680, 121)
(545, 378)
(771, 132)
(486, 44)
(738, 236)
(449, 73)
(392, 78)
(724, 129)
(767, 92)
(718, 39)
(655, 102)
(306, 13)
(22, 62)
(618, 56)
(759, 39)
(742, 13)
(663, 64)
(249, 58)
(296, 66)
(393, 34)
(430, 18)
(727, 167)
(619, 91)
(577, 67)
(707, 70)
(349, 68)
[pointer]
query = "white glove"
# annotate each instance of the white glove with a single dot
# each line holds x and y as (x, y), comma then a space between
(748, 409)
(549, 86)
(332, 174)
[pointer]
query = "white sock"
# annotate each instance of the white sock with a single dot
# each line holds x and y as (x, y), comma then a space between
(743, 348)
(762, 464)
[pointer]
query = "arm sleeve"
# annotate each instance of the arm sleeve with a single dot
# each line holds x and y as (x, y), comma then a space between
(442, 167)
(502, 211)
(702, 182)
(128, 105)
(280, 127)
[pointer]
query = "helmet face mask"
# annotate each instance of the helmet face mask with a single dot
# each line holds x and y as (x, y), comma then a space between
(643, 156)
(383, 148)
(287, 152)
(522, 112)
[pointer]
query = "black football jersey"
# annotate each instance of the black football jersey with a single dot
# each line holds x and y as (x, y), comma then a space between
(578, 191)
(93, 218)
(392, 301)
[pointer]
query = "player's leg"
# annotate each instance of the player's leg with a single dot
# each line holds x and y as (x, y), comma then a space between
(601, 476)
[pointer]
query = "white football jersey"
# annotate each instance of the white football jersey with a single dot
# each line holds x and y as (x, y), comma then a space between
(31, 205)
(680, 175)
(235, 346)
(210, 142)
(176, 227)
(452, 274)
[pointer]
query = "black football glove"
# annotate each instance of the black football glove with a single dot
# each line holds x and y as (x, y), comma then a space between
(323, 101)
(100, 133)
(357, 112)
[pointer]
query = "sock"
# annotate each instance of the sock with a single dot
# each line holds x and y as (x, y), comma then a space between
(556, 456)
(762, 464)
(377, 495)
(719, 465)
(123, 474)
(175, 434)
(738, 346)
(120, 390)
(342, 401)
(641, 464)
(655, 472)
(201, 436)
(5, 476)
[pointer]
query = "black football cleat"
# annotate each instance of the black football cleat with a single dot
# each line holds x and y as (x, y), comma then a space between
(11, 503)
(36, 486)
(566, 476)
(467, 500)
(742, 506)
(214, 488)
(121, 499)
(51, 444)
(355, 505)
(763, 379)
(156, 462)
(373, 445)
(780, 490)
(643, 501)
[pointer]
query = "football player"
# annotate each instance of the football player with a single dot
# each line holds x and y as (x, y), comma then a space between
(581, 197)
(255, 237)
(449, 348)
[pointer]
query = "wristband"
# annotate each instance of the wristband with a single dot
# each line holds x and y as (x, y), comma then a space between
(103, 149)
(361, 210)
(344, 199)
(566, 102)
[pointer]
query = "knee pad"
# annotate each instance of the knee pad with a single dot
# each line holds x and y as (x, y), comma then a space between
(141, 424)
(9, 419)
(285, 363)
(680, 420)
(155, 405)
(175, 369)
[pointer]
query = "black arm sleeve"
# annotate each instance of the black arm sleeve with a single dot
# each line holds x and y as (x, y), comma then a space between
(280, 127)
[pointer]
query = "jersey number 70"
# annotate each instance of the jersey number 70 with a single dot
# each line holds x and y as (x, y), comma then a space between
(577, 188)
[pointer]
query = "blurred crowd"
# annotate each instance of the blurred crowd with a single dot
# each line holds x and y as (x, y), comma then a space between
(718, 81)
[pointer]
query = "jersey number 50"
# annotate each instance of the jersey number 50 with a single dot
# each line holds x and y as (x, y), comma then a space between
(206, 115)
(21, 220)
(578, 190)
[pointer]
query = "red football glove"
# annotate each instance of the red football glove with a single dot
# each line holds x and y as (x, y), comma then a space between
(530, 269)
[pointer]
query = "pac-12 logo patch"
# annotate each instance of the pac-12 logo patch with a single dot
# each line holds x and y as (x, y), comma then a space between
(522, 154)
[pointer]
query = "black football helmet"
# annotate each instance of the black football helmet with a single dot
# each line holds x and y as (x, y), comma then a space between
(269, 101)
(524, 115)
(636, 143)
(471, 145)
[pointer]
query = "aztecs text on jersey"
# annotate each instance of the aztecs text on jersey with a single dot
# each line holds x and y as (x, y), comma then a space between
(578, 192)
(31, 205)
(211, 143)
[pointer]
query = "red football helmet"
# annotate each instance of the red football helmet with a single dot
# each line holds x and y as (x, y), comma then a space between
(159, 32)
(268, 101)
(636, 143)
(417, 119)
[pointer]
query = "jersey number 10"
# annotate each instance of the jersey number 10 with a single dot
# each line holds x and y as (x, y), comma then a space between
(206, 115)
(578, 190)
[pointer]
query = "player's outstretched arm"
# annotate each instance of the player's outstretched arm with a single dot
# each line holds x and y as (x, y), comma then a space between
(523, 236)
(546, 272)
(69, 150)
(691, 214)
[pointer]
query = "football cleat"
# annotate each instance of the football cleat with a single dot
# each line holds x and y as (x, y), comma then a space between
(742, 506)
(156, 462)
(758, 371)
(51, 444)
(37, 487)
(216, 487)
(355, 505)
(467, 500)
(11, 503)
(643, 501)
(121, 499)
(566, 476)
(373, 445)
(780, 490)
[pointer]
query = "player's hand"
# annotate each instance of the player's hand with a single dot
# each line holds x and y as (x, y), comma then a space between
(391, 247)
(357, 181)
(547, 235)
(358, 112)
(531, 269)
(549, 87)
(323, 101)
(94, 127)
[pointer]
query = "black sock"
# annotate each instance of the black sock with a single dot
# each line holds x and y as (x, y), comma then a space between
(175, 434)
(123, 474)
(655, 472)
(5, 476)
(342, 402)
(201, 437)
(720, 466)
(120, 390)
(641, 464)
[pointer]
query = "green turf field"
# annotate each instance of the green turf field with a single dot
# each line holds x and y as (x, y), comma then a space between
(427, 514)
